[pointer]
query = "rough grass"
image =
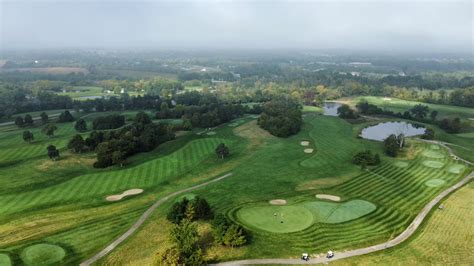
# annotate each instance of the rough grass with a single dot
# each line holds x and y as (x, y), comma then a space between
(446, 238)
(5, 260)
(42, 254)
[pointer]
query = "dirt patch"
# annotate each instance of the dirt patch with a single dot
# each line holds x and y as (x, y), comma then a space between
(308, 150)
(252, 132)
(328, 197)
(130, 192)
(304, 143)
(278, 202)
(66, 161)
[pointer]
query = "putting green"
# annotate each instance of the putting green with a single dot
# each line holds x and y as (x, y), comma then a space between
(401, 164)
(433, 164)
(5, 260)
(433, 154)
(435, 182)
(302, 215)
(42, 254)
(456, 168)
(295, 218)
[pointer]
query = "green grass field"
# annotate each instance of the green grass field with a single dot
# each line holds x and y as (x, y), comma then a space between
(446, 238)
(42, 254)
(64, 202)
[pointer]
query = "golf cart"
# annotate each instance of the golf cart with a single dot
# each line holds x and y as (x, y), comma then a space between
(305, 256)
(330, 254)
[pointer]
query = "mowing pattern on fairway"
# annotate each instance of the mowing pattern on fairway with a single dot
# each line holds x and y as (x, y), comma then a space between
(42, 254)
(101, 184)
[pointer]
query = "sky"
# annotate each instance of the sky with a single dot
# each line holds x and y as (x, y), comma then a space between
(384, 25)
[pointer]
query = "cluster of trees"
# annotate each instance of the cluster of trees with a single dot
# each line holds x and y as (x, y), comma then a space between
(365, 158)
(112, 121)
(393, 144)
(199, 207)
(113, 147)
(184, 235)
(346, 112)
(65, 117)
(23, 122)
(281, 117)
(80, 125)
(429, 134)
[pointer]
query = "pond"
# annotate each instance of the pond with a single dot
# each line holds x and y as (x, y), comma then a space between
(383, 130)
(330, 108)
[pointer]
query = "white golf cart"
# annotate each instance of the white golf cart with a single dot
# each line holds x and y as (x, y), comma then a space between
(330, 254)
(305, 256)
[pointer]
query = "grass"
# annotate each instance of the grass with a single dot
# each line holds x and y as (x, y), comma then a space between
(446, 238)
(42, 254)
(63, 202)
(5, 260)
(435, 182)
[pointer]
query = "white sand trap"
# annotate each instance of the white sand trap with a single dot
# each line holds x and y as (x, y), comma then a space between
(308, 150)
(210, 133)
(386, 99)
(129, 192)
(304, 143)
(328, 197)
(278, 202)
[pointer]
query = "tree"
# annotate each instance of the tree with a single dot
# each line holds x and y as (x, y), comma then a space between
(419, 111)
(429, 134)
(177, 211)
(76, 144)
(118, 157)
(185, 236)
(53, 153)
(44, 118)
(391, 145)
(49, 129)
(81, 125)
(28, 120)
(19, 121)
(65, 117)
(202, 208)
(366, 158)
(344, 111)
(281, 117)
(28, 136)
(222, 151)
(142, 118)
(234, 236)
(433, 115)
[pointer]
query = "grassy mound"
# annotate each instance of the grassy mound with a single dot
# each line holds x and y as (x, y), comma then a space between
(434, 147)
(5, 260)
(435, 182)
(456, 168)
(433, 154)
(287, 219)
(433, 164)
(42, 254)
(401, 164)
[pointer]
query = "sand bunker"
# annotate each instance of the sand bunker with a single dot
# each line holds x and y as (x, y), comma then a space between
(328, 197)
(304, 143)
(308, 150)
(433, 164)
(129, 192)
(278, 202)
(401, 164)
(386, 99)
(210, 133)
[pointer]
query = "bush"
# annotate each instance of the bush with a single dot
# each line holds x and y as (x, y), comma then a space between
(366, 158)
(227, 233)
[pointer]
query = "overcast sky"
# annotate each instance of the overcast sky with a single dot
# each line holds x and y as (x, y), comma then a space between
(433, 26)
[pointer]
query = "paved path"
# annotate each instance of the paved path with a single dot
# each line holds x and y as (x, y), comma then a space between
(445, 145)
(341, 255)
(142, 219)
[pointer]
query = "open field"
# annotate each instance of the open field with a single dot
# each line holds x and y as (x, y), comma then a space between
(49, 70)
(446, 238)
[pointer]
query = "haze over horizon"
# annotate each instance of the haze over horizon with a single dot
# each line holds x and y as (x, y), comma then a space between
(386, 26)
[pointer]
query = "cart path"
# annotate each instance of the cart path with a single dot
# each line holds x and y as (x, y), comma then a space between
(341, 255)
(445, 145)
(143, 218)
